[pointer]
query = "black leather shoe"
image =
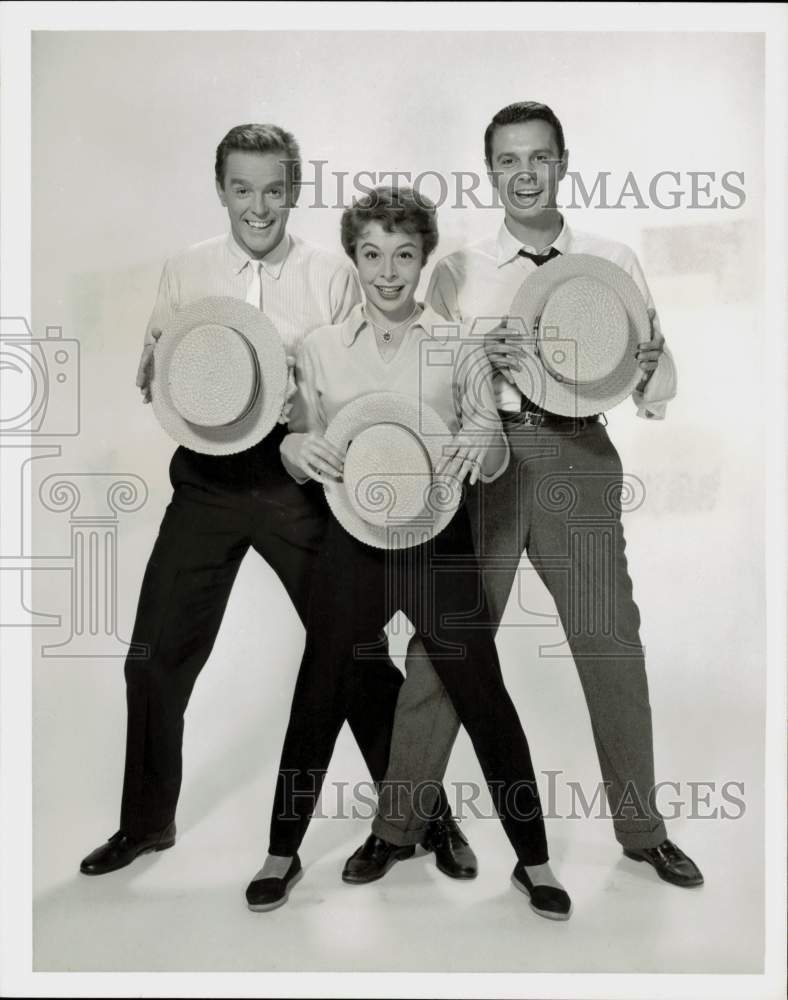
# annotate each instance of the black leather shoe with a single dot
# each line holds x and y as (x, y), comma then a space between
(670, 863)
(546, 900)
(120, 850)
(373, 859)
(267, 893)
(453, 854)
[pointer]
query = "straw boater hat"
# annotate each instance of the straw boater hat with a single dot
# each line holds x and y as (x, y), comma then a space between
(389, 496)
(583, 318)
(219, 376)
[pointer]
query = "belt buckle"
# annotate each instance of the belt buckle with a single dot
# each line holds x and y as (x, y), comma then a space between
(532, 418)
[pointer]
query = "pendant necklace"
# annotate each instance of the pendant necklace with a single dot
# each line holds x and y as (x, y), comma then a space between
(387, 333)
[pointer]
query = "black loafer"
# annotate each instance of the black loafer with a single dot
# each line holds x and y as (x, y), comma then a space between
(670, 863)
(373, 859)
(121, 849)
(453, 854)
(268, 893)
(546, 900)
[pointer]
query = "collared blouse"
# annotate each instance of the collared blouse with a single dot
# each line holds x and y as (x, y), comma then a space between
(437, 362)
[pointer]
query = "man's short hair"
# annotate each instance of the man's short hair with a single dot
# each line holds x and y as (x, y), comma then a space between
(397, 209)
(260, 139)
(522, 111)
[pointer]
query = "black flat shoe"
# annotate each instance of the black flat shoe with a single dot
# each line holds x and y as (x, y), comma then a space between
(268, 893)
(670, 863)
(546, 900)
(120, 850)
(373, 859)
(453, 854)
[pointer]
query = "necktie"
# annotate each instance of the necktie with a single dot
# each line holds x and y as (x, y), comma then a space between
(540, 258)
(254, 292)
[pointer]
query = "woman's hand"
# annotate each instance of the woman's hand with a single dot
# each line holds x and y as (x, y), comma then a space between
(315, 456)
(465, 454)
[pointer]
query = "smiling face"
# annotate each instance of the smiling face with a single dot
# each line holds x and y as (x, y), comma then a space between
(526, 168)
(389, 267)
(254, 192)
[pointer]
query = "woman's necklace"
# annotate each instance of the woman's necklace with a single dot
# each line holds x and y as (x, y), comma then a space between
(386, 334)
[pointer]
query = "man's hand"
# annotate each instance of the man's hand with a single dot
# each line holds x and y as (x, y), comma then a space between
(504, 349)
(290, 391)
(465, 454)
(145, 369)
(649, 353)
(314, 456)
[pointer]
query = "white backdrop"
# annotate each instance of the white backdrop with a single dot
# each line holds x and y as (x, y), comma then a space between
(125, 127)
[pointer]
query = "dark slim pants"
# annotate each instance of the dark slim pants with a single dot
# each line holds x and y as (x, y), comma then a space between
(219, 509)
(560, 502)
(355, 591)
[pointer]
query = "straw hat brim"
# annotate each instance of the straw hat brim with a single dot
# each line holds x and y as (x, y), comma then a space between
(262, 336)
(445, 493)
(534, 380)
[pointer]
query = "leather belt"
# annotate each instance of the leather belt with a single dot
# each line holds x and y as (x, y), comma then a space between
(541, 418)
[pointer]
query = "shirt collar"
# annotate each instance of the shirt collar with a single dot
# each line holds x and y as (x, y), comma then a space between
(357, 320)
(509, 246)
(272, 262)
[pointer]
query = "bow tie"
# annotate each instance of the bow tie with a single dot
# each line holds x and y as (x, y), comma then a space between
(538, 258)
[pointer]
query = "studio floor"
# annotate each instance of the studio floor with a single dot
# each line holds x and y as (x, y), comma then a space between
(184, 909)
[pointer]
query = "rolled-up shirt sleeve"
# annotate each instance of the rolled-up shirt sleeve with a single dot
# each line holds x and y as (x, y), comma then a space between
(165, 306)
(652, 400)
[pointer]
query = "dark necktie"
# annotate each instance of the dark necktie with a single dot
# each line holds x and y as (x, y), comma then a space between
(525, 404)
(540, 258)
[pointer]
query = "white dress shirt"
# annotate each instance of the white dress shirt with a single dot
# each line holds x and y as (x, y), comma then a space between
(476, 286)
(303, 287)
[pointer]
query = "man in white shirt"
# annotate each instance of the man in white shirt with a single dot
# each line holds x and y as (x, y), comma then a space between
(223, 505)
(577, 544)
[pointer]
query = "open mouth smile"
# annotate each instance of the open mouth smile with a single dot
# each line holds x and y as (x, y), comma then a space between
(389, 291)
(257, 226)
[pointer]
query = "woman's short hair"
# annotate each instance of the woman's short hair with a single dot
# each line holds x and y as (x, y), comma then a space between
(260, 139)
(397, 209)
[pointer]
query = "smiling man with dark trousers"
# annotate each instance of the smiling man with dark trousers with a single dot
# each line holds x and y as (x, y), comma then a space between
(223, 505)
(526, 159)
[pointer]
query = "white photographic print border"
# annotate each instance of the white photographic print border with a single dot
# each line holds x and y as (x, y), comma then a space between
(18, 22)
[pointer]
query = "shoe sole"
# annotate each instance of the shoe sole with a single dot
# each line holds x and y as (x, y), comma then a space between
(354, 880)
(116, 868)
(670, 881)
(265, 907)
(549, 914)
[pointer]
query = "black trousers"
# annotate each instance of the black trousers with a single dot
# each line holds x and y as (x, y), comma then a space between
(355, 591)
(220, 508)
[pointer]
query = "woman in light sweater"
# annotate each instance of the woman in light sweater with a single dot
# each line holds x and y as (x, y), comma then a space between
(356, 588)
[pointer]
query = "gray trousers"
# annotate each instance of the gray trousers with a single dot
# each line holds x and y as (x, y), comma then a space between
(560, 502)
